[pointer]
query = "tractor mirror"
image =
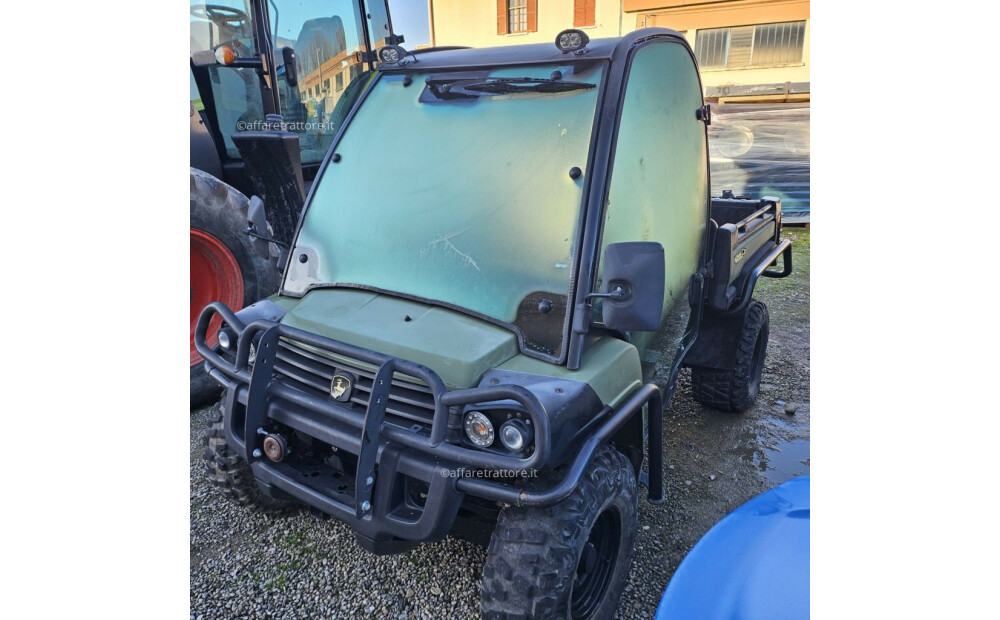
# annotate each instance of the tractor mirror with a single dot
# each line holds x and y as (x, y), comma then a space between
(291, 68)
(257, 227)
(634, 276)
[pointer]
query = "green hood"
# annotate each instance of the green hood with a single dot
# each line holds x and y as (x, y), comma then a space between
(456, 346)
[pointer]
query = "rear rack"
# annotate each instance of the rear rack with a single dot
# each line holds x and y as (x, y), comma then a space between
(745, 243)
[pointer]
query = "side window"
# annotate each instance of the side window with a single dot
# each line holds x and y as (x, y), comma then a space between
(236, 91)
(325, 37)
(659, 184)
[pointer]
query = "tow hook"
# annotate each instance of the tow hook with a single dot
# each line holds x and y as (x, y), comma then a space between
(275, 447)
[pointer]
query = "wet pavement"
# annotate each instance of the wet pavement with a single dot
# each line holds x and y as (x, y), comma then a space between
(716, 461)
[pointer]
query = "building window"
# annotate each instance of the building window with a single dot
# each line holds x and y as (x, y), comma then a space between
(763, 45)
(326, 87)
(517, 15)
(340, 82)
(584, 13)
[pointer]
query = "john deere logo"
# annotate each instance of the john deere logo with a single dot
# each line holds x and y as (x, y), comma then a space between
(739, 255)
(340, 388)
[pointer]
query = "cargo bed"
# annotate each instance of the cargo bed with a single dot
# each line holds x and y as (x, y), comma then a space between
(744, 241)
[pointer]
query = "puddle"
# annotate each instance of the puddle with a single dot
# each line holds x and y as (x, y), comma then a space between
(786, 460)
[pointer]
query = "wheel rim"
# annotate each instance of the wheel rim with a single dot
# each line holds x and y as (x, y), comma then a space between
(215, 276)
(597, 563)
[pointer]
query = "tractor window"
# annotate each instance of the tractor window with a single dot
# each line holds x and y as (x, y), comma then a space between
(325, 36)
(378, 22)
(659, 180)
(223, 22)
(236, 92)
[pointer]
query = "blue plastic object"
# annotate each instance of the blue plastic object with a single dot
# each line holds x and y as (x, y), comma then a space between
(752, 564)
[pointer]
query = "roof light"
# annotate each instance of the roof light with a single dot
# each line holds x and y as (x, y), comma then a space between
(391, 54)
(571, 40)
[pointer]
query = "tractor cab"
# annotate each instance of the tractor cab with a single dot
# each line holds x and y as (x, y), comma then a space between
(305, 61)
(271, 85)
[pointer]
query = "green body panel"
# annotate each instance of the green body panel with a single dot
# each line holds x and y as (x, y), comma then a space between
(609, 366)
(659, 183)
(457, 347)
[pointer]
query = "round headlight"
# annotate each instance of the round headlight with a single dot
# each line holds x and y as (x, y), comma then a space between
(390, 54)
(515, 435)
(224, 340)
(479, 429)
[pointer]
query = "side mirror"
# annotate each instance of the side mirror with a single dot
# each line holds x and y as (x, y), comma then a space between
(634, 276)
(257, 227)
(291, 68)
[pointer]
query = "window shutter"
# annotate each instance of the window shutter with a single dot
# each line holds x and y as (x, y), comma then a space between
(501, 16)
(584, 13)
(532, 15)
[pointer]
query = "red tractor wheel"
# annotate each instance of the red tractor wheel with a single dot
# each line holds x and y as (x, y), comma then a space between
(224, 266)
(215, 276)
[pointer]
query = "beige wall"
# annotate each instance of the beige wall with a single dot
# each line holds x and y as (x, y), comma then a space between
(474, 22)
(788, 73)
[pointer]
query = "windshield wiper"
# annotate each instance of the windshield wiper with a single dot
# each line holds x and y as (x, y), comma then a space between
(471, 88)
(504, 86)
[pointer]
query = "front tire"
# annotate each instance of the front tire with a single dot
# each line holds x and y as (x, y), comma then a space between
(231, 474)
(735, 389)
(570, 560)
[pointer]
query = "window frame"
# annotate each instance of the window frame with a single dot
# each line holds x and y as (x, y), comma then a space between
(517, 16)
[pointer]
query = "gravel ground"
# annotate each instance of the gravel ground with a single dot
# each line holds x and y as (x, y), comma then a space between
(246, 565)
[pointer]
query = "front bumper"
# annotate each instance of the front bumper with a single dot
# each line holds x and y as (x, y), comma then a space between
(391, 457)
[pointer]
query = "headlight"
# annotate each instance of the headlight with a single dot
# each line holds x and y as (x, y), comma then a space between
(391, 54)
(479, 429)
(571, 40)
(515, 435)
(225, 338)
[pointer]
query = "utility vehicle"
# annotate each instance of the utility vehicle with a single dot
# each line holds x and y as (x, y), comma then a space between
(502, 247)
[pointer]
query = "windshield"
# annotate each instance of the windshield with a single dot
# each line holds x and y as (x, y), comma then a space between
(460, 196)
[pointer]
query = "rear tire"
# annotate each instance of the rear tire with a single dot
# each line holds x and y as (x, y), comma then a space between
(231, 474)
(735, 389)
(224, 266)
(569, 560)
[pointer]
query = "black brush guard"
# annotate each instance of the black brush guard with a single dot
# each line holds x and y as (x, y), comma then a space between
(367, 503)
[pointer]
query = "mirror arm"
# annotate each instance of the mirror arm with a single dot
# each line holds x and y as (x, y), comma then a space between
(251, 230)
(619, 294)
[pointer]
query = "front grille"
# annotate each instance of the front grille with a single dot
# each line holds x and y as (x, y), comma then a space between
(312, 373)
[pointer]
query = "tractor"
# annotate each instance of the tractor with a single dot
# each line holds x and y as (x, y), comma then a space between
(271, 84)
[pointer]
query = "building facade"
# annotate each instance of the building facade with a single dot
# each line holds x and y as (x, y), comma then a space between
(749, 51)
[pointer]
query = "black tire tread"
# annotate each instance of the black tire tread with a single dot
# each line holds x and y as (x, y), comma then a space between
(732, 389)
(231, 474)
(531, 563)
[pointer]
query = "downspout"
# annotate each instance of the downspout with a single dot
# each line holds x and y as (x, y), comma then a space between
(430, 19)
